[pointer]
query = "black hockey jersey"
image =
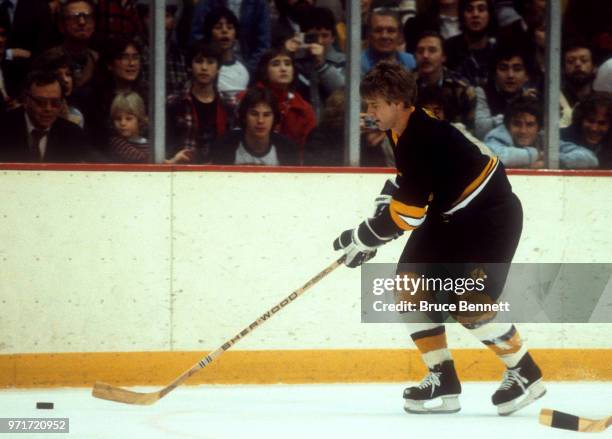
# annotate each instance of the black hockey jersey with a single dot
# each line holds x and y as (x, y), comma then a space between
(439, 172)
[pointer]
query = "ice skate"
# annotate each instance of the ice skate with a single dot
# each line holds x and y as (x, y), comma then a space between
(521, 386)
(437, 393)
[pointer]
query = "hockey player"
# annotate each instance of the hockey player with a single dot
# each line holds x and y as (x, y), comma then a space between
(460, 207)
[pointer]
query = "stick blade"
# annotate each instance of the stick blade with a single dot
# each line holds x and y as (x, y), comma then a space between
(566, 421)
(117, 394)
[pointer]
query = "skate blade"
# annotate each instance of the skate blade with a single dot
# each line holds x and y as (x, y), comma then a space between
(534, 392)
(441, 405)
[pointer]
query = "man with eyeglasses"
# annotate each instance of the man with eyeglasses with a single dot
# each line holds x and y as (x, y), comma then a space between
(77, 25)
(35, 132)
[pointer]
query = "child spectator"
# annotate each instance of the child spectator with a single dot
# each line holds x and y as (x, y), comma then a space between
(57, 61)
(255, 143)
(587, 142)
(119, 72)
(196, 117)
(277, 73)
(517, 142)
(129, 118)
(222, 28)
(255, 26)
(510, 81)
(469, 53)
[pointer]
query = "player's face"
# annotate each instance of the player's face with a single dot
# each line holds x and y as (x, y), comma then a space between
(204, 70)
(595, 126)
(476, 16)
(384, 112)
(524, 129)
(579, 66)
(280, 71)
(384, 34)
(259, 121)
(511, 75)
(429, 56)
(224, 33)
(126, 124)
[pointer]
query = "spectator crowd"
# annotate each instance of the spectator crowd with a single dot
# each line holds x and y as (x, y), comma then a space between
(254, 82)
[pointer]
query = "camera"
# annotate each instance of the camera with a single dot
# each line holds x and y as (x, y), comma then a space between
(370, 122)
(310, 38)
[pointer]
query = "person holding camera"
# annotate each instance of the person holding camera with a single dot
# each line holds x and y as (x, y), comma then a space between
(319, 66)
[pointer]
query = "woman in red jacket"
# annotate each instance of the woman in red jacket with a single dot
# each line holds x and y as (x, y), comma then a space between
(297, 117)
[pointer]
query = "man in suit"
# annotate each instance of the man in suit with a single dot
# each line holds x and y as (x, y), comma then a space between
(35, 132)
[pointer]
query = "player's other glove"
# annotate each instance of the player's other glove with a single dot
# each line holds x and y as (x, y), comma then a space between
(359, 244)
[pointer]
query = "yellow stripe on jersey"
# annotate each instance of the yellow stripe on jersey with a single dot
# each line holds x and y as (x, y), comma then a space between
(406, 217)
(429, 113)
(475, 186)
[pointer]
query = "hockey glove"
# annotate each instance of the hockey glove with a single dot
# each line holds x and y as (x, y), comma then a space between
(359, 244)
(384, 198)
(382, 201)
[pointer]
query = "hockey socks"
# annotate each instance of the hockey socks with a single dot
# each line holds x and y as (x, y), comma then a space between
(501, 338)
(430, 340)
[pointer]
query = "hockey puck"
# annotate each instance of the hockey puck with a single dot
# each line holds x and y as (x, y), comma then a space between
(44, 405)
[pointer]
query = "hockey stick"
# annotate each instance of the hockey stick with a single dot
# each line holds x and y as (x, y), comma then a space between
(118, 394)
(556, 419)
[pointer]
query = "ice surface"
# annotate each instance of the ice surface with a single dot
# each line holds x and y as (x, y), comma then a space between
(302, 411)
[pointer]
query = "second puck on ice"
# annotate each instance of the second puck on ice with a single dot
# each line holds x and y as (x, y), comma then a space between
(44, 405)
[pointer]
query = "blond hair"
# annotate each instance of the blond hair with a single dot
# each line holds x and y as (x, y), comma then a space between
(130, 103)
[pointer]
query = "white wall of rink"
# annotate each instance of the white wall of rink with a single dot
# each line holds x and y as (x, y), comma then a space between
(133, 261)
